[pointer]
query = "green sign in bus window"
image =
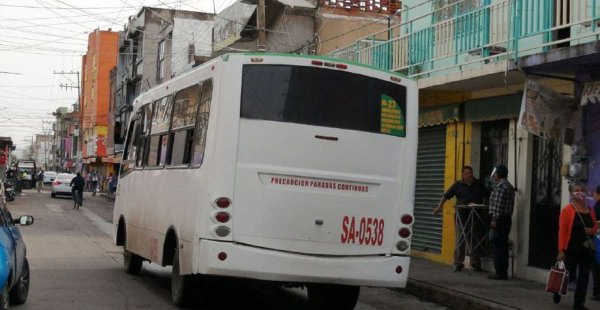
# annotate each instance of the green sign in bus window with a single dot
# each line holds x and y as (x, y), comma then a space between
(392, 118)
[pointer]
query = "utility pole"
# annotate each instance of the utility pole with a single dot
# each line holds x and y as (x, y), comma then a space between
(261, 26)
(79, 97)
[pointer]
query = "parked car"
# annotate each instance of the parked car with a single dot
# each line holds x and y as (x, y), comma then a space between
(14, 266)
(49, 177)
(62, 184)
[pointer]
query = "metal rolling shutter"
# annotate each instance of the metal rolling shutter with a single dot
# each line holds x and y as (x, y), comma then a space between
(431, 161)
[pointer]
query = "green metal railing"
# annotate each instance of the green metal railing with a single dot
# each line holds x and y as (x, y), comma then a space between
(495, 30)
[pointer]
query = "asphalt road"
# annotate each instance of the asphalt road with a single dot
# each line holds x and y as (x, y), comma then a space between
(74, 265)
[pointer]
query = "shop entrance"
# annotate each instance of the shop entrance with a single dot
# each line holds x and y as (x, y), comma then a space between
(545, 202)
(494, 147)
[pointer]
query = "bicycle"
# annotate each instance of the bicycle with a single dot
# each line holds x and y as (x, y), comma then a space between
(76, 199)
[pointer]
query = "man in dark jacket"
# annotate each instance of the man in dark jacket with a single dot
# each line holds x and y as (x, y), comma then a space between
(78, 183)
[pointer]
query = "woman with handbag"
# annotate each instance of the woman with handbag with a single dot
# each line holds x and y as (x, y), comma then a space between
(577, 226)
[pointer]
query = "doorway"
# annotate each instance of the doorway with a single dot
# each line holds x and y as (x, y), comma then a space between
(494, 148)
(545, 202)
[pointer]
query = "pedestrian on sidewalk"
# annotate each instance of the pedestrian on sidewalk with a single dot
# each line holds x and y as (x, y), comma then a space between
(577, 223)
(468, 190)
(596, 264)
(502, 202)
(94, 182)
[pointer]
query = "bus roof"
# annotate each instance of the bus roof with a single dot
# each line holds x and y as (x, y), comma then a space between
(350, 62)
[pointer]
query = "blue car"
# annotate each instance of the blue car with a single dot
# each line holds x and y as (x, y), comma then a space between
(14, 267)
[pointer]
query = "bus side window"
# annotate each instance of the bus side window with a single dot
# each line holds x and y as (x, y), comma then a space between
(130, 147)
(141, 156)
(184, 119)
(202, 122)
(159, 132)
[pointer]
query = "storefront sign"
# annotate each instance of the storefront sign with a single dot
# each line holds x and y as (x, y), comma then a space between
(547, 113)
(591, 93)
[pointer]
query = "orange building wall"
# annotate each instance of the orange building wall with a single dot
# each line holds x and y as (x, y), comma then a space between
(101, 57)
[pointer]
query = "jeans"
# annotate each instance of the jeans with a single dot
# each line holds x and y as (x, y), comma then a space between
(500, 244)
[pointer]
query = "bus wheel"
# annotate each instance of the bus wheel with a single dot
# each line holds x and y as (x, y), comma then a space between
(181, 285)
(131, 261)
(332, 296)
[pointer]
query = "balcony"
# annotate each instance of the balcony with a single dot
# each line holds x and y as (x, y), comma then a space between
(486, 37)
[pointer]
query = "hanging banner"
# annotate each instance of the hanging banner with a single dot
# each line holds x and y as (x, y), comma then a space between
(591, 93)
(547, 113)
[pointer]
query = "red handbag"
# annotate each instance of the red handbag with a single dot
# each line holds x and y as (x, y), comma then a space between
(558, 280)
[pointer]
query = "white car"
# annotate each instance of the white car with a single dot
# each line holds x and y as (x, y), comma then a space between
(49, 177)
(62, 184)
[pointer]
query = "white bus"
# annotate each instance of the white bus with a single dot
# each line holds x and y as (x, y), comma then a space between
(292, 169)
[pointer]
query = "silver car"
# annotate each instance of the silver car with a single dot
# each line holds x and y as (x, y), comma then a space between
(49, 177)
(62, 184)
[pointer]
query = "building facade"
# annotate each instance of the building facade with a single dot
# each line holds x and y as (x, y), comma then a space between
(42, 151)
(100, 58)
(308, 27)
(479, 64)
(155, 46)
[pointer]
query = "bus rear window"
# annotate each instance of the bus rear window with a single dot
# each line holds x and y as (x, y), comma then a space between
(323, 97)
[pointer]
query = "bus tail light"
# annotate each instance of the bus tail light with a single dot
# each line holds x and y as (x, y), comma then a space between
(402, 246)
(223, 202)
(256, 59)
(395, 79)
(222, 231)
(317, 62)
(404, 232)
(222, 256)
(222, 217)
(341, 66)
(407, 219)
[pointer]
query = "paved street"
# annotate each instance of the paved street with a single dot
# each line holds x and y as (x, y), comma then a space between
(74, 265)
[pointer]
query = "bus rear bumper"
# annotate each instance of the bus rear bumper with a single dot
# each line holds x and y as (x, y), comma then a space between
(258, 263)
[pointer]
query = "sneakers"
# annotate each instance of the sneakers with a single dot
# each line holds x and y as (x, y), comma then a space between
(457, 267)
(497, 277)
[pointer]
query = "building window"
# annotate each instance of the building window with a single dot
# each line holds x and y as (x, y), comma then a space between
(161, 60)
(191, 53)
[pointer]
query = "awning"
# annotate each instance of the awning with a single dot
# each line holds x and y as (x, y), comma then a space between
(493, 108)
(439, 115)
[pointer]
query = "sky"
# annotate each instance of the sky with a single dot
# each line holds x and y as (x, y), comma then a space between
(40, 39)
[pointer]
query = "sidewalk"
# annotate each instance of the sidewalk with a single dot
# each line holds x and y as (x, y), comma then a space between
(464, 290)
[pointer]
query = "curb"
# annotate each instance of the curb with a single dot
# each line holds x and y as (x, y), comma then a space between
(450, 298)
(107, 197)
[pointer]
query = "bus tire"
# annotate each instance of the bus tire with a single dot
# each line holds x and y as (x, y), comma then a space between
(131, 261)
(332, 296)
(181, 285)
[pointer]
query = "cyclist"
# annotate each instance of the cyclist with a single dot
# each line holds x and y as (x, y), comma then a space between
(77, 184)
(40, 180)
